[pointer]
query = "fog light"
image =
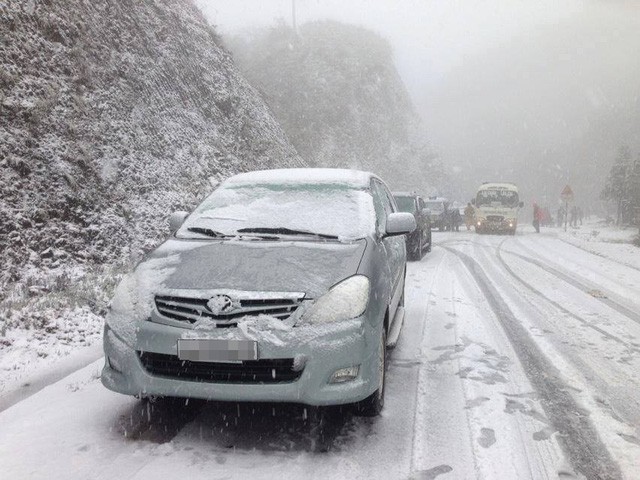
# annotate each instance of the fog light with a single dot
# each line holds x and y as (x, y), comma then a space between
(479, 224)
(511, 225)
(345, 374)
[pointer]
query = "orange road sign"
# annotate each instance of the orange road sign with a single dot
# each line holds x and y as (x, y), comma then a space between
(566, 194)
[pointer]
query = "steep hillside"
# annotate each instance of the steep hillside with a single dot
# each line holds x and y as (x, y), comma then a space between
(338, 95)
(113, 113)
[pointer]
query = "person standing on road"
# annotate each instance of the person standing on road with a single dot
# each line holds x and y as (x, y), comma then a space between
(573, 219)
(537, 213)
(469, 215)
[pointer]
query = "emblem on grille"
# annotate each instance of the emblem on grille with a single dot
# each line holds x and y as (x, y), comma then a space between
(220, 304)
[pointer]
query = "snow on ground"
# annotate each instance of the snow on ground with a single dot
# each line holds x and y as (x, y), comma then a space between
(24, 353)
(609, 241)
(464, 398)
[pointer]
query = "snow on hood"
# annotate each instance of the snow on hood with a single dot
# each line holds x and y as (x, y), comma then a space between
(277, 266)
(133, 298)
(307, 267)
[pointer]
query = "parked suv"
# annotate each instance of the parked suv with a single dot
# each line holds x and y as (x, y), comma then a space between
(418, 242)
(282, 285)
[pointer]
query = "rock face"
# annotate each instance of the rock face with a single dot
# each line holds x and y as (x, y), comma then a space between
(113, 113)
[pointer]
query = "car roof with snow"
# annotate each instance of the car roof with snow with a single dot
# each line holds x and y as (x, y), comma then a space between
(498, 186)
(355, 178)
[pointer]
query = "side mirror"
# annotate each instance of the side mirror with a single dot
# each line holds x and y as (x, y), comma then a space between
(521, 204)
(400, 223)
(176, 220)
(473, 201)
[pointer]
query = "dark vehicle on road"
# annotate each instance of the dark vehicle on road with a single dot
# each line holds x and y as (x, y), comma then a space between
(439, 208)
(419, 241)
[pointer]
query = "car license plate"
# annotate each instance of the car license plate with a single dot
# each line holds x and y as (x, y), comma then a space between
(216, 350)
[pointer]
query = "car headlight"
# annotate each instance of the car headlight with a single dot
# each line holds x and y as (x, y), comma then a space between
(124, 310)
(344, 301)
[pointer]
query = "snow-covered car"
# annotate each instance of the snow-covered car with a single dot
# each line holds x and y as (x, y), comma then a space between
(282, 285)
(419, 241)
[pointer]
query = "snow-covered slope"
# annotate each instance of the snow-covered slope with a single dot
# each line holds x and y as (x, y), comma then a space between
(113, 114)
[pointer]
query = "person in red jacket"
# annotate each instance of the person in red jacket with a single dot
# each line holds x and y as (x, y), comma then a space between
(537, 216)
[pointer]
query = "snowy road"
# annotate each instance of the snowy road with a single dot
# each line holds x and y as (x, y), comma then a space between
(519, 358)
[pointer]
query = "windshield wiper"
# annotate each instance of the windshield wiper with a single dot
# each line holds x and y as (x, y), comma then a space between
(208, 232)
(286, 231)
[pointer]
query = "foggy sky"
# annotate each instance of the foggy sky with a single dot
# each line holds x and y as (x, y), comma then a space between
(541, 93)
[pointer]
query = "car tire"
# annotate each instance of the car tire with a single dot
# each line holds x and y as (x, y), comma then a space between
(414, 254)
(374, 403)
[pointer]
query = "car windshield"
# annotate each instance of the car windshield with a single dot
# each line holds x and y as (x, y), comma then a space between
(337, 210)
(497, 197)
(406, 204)
(435, 207)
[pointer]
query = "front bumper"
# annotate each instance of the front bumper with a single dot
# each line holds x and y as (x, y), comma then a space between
(322, 350)
(496, 226)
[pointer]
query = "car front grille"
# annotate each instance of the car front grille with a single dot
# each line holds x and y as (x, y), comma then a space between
(495, 218)
(190, 310)
(248, 372)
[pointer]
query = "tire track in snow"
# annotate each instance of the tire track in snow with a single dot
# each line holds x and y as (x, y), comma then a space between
(627, 312)
(578, 438)
(558, 306)
(419, 405)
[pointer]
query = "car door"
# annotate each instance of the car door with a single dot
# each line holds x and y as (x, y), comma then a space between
(395, 250)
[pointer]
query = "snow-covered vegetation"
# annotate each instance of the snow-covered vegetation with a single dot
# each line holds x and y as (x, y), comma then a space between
(112, 115)
(622, 188)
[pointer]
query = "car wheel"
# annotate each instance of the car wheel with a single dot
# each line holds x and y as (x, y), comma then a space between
(373, 404)
(414, 253)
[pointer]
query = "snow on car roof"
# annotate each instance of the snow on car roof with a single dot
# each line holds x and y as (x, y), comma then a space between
(498, 186)
(355, 178)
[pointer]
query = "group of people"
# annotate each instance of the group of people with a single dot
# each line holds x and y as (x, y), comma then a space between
(576, 216)
(541, 216)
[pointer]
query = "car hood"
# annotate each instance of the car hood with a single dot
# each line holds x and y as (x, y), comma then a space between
(282, 266)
